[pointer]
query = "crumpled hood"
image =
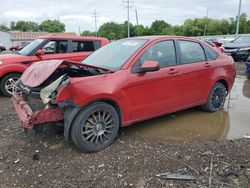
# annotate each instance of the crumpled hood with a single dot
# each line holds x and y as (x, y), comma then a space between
(40, 71)
(236, 45)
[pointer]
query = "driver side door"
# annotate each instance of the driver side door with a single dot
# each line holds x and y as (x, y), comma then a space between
(154, 93)
(54, 49)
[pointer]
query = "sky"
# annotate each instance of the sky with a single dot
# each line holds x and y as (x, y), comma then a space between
(78, 14)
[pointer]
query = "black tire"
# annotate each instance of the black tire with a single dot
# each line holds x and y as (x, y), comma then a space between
(216, 98)
(95, 127)
(5, 80)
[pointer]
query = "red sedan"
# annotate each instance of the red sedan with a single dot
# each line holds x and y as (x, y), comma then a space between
(124, 82)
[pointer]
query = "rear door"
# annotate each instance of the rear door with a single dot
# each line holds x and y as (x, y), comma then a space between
(82, 49)
(195, 73)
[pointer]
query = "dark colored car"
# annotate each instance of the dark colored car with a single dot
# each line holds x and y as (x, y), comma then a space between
(248, 67)
(2, 48)
(124, 82)
(239, 48)
(73, 48)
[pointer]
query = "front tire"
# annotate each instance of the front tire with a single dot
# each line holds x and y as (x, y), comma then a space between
(8, 83)
(95, 127)
(216, 98)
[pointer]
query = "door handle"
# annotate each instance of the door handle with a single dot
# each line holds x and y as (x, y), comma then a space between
(173, 71)
(207, 64)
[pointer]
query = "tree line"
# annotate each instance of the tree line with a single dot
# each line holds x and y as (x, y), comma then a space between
(47, 25)
(114, 31)
(190, 27)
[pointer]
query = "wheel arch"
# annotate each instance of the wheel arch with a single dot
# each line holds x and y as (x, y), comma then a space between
(224, 82)
(71, 113)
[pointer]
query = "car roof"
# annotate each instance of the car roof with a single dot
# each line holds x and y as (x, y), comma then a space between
(72, 37)
(156, 37)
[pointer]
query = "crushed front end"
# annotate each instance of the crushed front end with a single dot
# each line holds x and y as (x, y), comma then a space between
(29, 117)
(35, 100)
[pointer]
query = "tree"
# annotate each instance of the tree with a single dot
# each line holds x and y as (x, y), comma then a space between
(87, 33)
(157, 27)
(24, 26)
(4, 28)
(52, 26)
(113, 31)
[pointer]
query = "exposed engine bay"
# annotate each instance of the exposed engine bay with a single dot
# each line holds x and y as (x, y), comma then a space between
(45, 94)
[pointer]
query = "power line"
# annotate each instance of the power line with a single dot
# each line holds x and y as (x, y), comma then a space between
(128, 6)
(238, 19)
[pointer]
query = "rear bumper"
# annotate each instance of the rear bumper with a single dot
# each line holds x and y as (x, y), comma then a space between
(30, 118)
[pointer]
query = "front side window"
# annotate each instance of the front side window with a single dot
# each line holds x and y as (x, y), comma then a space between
(27, 50)
(83, 46)
(56, 47)
(191, 52)
(162, 52)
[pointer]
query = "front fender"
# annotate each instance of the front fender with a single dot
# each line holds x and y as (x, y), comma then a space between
(10, 68)
(69, 116)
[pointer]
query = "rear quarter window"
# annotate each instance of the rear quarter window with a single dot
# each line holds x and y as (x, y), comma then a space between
(210, 53)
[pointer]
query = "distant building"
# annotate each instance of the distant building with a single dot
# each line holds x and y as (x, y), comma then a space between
(14, 38)
(17, 38)
(5, 39)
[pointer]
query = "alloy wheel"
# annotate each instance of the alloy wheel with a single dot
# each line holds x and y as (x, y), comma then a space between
(11, 84)
(98, 126)
(218, 98)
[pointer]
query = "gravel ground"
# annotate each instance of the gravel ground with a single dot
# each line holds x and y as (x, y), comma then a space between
(45, 160)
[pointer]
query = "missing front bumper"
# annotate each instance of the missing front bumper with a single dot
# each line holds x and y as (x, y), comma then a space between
(30, 118)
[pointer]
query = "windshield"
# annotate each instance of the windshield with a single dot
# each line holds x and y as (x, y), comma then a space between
(114, 55)
(242, 39)
(31, 46)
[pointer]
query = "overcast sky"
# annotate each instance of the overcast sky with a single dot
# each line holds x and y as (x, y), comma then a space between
(79, 13)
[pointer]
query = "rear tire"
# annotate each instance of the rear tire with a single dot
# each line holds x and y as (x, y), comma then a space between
(7, 84)
(216, 98)
(95, 127)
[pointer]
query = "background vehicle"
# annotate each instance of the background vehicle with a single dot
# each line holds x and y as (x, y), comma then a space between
(248, 67)
(239, 48)
(72, 48)
(19, 46)
(127, 81)
(2, 48)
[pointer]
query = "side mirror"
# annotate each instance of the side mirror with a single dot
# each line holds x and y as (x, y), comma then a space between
(148, 66)
(40, 52)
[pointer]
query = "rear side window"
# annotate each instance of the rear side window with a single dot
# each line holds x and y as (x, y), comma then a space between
(191, 52)
(210, 53)
(83, 46)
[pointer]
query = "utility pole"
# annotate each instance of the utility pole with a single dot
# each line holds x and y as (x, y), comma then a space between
(79, 31)
(238, 19)
(95, 18)
(205, 29)
(136, 15)
(128, 8)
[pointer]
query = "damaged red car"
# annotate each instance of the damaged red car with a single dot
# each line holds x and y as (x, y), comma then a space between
(124, 82)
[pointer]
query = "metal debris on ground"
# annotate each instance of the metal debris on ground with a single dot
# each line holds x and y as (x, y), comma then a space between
(176, 176)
